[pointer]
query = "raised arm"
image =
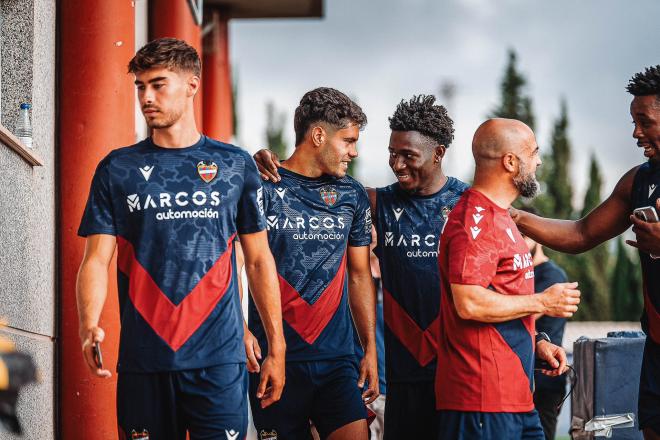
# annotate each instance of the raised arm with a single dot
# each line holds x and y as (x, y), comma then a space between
(480, 304)
(264, 286)
(362, 300)
(91, 291)
(607, 220)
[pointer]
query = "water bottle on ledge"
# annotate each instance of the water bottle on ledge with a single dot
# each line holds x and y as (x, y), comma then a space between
(24, 126)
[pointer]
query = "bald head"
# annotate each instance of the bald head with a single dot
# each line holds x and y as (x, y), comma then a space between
(496, 137)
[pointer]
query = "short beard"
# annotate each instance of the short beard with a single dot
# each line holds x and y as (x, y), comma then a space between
(526, 183)
(170, 120)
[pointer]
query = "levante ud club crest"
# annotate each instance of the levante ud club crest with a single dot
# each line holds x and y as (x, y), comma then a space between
(207, 170)
(329, 195)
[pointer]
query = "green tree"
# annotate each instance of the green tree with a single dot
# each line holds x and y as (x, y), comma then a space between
(625, 284)
(554, 174)
(514, 103)
(593, 265)
(275, 126)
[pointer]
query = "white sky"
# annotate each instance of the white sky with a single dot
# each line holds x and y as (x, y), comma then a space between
(379, 52)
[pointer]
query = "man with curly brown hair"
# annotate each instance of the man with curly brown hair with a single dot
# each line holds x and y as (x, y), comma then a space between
(319, 230)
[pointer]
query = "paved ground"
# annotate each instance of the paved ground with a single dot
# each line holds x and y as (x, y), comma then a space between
(573, 331)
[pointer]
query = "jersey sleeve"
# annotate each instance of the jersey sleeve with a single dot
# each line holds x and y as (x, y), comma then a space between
(98, 217)
(250, 217)
(472, 258)
(360, 234)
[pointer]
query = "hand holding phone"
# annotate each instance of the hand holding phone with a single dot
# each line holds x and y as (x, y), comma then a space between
(649, 215)
(98, 357)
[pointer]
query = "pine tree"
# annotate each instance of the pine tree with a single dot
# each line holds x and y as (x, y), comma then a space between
(514, 103)
(593, 267)
(275, 125)
(557, 176)
(625, 285)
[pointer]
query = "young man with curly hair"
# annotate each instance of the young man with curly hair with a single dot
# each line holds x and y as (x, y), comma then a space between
(409, 216)
(638, 188)
(172, 205)
(319, 230)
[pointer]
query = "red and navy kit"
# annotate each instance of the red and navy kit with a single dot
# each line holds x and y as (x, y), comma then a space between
(485, 367)
(408, 227)
(311, 222)
(175, 213)
(646, 191)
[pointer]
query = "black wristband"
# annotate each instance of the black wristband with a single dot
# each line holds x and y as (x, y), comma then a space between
(541, 336)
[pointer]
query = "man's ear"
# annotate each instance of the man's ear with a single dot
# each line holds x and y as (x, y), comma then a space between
(193, 84)
(439, 153)
(318, 135)
(510, 162)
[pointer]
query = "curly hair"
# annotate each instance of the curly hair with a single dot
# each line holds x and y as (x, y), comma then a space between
(422, 115)
(645, 83)
(328, 105)
(172, 53)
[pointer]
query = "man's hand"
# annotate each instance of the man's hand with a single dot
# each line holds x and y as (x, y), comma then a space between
(268, 162)
(89, 337)
(272, 380)
(252, 350)
(515, 214)
(560, 300)
(647, 234)
(369, 373)
(554, 355)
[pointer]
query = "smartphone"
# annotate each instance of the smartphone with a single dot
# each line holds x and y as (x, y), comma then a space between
(649, 215)
(98, 357)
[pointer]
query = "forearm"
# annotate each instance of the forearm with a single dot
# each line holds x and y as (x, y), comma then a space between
(483, 305)
(561, 235)
(264, 286)
(91, 292)
(362, 300)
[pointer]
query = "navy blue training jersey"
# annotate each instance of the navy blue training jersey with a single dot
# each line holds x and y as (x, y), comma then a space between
(645, 192)
(545, 275)
(409, 228)
(311, 222)
(175, 213)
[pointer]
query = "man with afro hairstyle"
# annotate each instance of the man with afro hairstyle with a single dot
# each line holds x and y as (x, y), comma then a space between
(409, 216)
(638, 188)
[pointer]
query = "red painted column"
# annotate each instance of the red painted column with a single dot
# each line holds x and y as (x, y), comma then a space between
(174, 18)
(218, 117)
(96, 114)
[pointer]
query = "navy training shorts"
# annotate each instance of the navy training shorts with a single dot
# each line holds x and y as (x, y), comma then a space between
(325, 392)
(208, 403)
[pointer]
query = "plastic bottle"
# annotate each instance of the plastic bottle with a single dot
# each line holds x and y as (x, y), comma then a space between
(24, 126)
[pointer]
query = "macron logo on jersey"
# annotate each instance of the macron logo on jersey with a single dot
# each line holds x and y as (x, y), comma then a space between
(260, 200)
(509, 232)
(475, 231)
(397, 213)
(477, 218)
(651, 189)
(146, 171)
(231, 434)
(280, 192)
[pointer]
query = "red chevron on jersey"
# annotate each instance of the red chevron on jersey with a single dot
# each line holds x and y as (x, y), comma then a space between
(653, 317)
(309, 320)
(420, 343)
(174, 323)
